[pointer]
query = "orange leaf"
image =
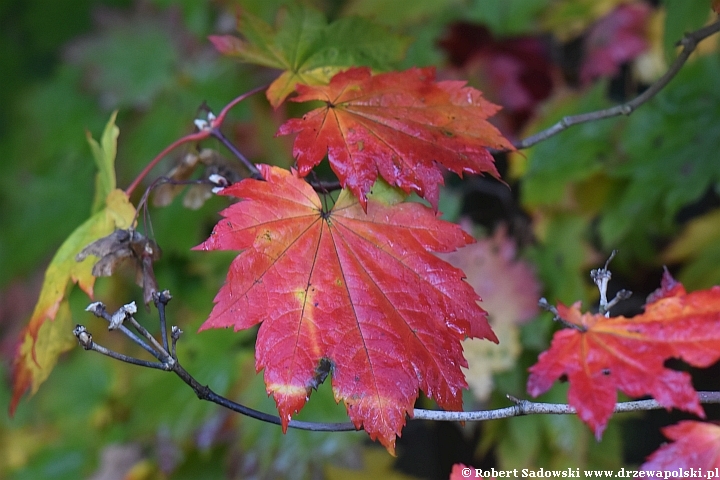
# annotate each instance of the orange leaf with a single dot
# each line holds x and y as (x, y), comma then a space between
(628, 354)
(400, 125)
(355, 295)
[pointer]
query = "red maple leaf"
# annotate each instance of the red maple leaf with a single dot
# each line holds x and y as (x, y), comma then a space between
(400, 125)
(628, 354)
(696, 446)
(357, 295)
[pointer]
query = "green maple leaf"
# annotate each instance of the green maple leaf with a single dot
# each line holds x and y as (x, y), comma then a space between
(308, 49)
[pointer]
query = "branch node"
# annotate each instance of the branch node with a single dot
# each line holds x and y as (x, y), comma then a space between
(545, 305)
(122, 314)
(97, 309)
(219, 182)
(521, 406)
(619, 296)
(175, 333)
(83, 336)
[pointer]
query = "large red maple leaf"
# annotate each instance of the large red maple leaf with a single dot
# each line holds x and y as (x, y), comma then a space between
(400, 125)
(359, 295)
(608, 354)
(696, 445)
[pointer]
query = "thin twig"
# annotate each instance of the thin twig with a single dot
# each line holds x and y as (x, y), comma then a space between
(205, 393)
(254, 172)
(545, 305)
(175, 335)
(161, 299)
(689, 43)
(193, 137)
(164, 355)
(85, 339)
(98, 309)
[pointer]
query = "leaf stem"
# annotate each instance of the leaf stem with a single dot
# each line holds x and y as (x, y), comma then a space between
(254, 172)
(204, 133)
(194, 137)
(689, 43)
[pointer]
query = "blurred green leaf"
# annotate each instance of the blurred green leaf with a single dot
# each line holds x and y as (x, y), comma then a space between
(130, 61)
(682, 16)
(698, 247)
(508, 17)
(400, 12)
(561, 258)
(571, 156)
(668, 160)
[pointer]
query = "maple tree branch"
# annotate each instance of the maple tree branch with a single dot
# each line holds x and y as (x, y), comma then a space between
(689, 43)
(169, 362)
(526, 407)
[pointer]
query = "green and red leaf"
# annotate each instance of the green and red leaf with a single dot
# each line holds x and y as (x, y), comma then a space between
(307, 49)
(402, 126)
(360, 295)
(628, 354)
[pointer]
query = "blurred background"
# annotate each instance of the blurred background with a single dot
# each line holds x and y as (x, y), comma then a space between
(646, 185)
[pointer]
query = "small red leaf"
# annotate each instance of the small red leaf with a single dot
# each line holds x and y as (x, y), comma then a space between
(695, 447)
(360, 294)
(400, 125)
(628, 354)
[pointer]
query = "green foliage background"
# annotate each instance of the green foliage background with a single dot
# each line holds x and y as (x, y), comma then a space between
(630, 184)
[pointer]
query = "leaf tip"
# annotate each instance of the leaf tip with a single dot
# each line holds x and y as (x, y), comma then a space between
(226, 44)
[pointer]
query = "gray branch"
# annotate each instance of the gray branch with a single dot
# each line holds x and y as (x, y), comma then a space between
(526, 407)
(689, 44)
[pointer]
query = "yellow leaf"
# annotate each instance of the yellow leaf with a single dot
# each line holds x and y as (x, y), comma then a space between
(698, 234)
(285, 84)
(49, 331)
